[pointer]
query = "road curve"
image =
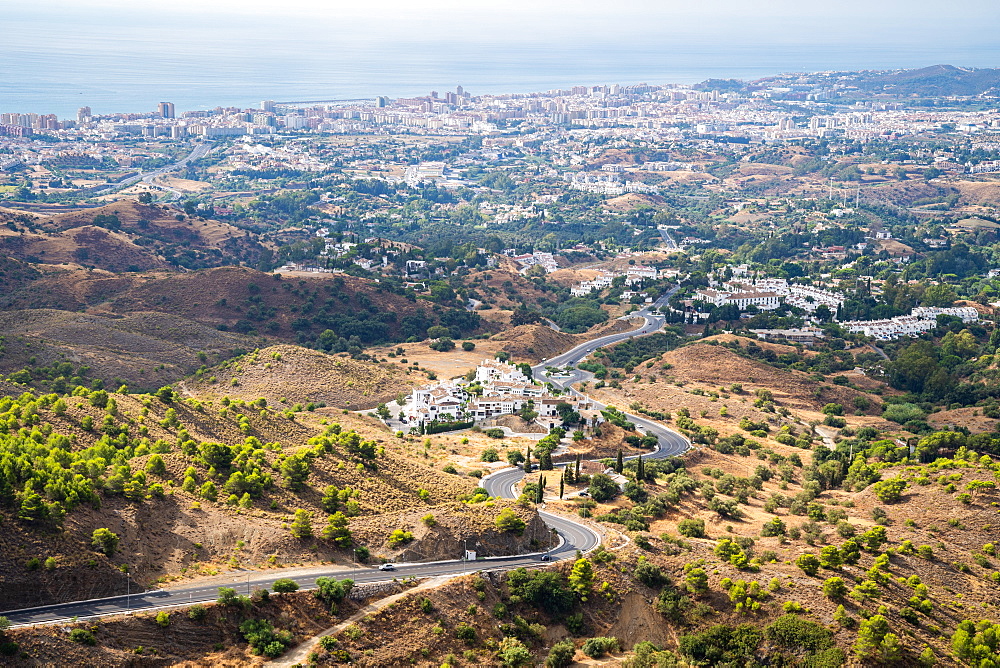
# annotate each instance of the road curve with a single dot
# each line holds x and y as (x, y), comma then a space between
(575, 536)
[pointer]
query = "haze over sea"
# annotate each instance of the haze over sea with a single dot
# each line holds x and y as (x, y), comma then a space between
(114, 59)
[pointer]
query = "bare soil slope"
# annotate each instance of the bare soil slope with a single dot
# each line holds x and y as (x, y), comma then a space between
(300, 375)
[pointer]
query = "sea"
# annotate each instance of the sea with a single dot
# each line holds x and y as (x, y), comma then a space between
(57, 63)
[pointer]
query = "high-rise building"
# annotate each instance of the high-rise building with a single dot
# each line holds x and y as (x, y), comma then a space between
(382, 101)
(82, 114)
(460, 91)
(166, 109)
(267, 105)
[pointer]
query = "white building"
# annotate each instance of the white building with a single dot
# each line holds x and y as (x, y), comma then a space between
(921, 319)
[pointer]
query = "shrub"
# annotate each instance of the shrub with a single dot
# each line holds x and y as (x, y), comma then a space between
(792, 631)
(197, 612)
(399, 537)
(227, 596)
(490, 454)
(466, 633)
(602, 487)
(104, 540)
(775, 527)
(285, 586)
(890, 491)
(808, 563)
(163, 618)
(512, 653)
(599, 646)
(508, 520)
(82, 636)
(649, 573)
(301, 526)
(494, 432)
(330, 590)
(262, 637)
(692, 528)
(561, 655)
(834, 588)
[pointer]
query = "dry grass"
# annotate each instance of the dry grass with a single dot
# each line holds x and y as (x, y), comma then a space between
(291, 374)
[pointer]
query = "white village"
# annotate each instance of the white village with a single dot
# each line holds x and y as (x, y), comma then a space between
(498, 388)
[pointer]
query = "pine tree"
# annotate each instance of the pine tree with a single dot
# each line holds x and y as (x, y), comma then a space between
(301, 526)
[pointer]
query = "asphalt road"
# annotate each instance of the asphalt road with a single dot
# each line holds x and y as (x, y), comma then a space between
(200, 151)
(574, 536)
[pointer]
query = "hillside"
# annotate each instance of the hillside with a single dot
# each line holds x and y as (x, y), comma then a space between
(242, 299)
(144, 350)
(184, 507)
(936, 80)
(294, 375)
(127, 236)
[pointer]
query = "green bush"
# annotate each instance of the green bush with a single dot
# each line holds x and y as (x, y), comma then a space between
(197, 612)
(792, 632)
(602, 487)
(82, 636)
(490, 454)
(264, 639)
(599, 646)
(285, 586)
(399, 538)
(809, 563)
(330, 590)
(508, 520)
(692, 528)
(834, 588)
(465, 633)
(163, 618)
(561, 655)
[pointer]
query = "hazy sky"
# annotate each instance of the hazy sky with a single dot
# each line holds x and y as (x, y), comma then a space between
(127, 54)
(747, 21)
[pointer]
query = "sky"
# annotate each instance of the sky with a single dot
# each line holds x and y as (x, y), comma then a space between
(122, 55)
(890, 22)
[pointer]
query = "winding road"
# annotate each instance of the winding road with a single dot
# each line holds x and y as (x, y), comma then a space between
(573, 535)
(199, 152)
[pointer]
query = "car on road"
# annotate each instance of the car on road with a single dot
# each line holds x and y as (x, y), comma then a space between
(387, 567)
(583, 494)
(546, 557)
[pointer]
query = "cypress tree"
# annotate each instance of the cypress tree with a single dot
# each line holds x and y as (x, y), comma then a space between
(527, 462)
(620, 465)
(640, 470)
(576, 476)
(562, 485)
(540, 494)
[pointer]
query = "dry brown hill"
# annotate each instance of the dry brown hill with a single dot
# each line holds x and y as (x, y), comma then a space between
(299, 375)
(187, 534)
(538, 342)
(442, 532)
(504, 287)
(717, 366)
(145, 350)
(128, 236)
(220, 296)
(15, 274)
